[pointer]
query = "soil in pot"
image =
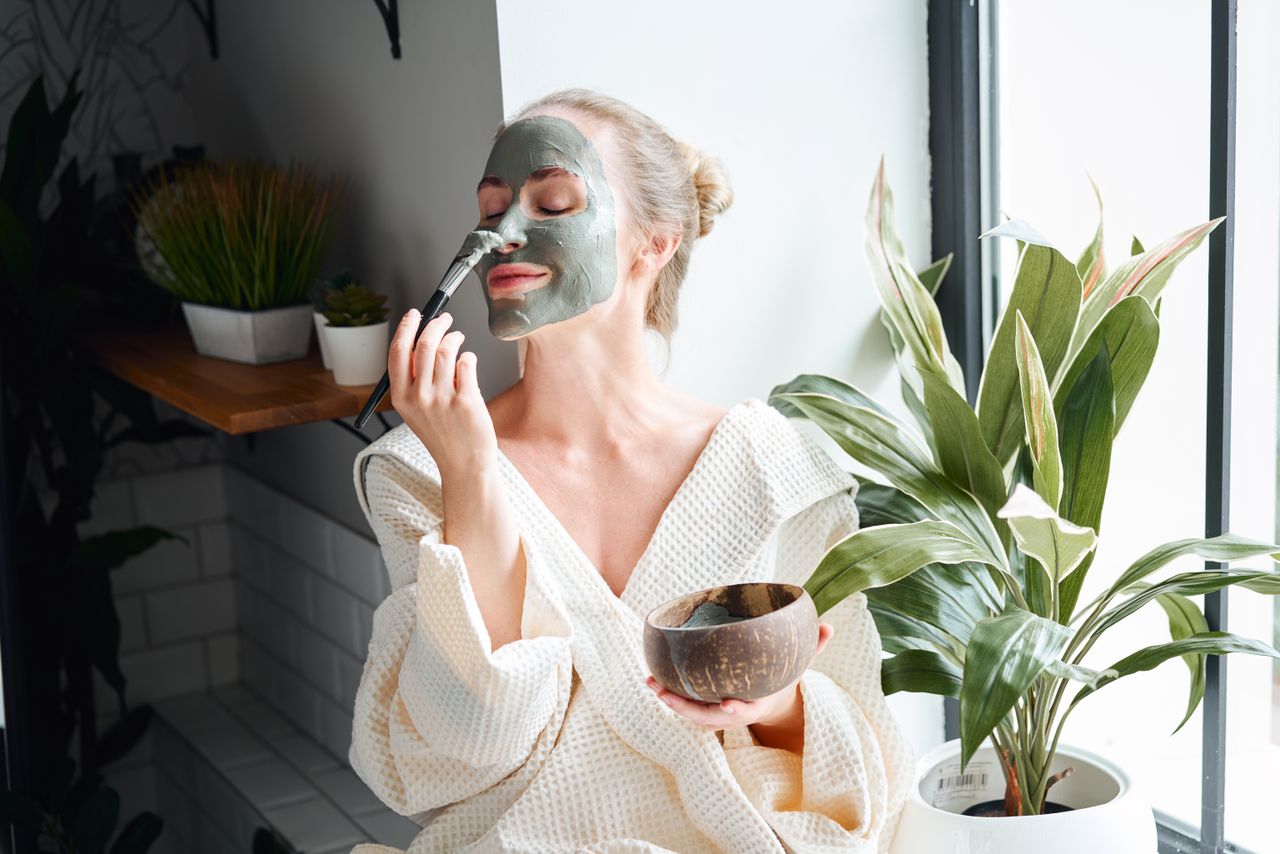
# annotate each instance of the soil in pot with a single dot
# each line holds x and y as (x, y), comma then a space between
(995, 809)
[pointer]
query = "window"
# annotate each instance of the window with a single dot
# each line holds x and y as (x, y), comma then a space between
(1032, 100)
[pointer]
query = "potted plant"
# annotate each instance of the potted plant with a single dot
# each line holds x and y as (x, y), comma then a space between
(974, 549)
(237, 242)
(358, 334)
(320, 304)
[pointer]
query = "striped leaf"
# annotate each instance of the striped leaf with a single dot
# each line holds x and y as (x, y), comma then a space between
(1057, 544)
(1040, 422)
(874, 557)
(1190, 584)
(908, 303)
(1092, 262)
(1005, 655)
(886, 447)
(1130, 334)
(1200, 643)
(1145, 274)
(931, 277)
(1185, 620)
(958, 446)
(1046, 291)
(1085, 432)
(920, 671)
(1224, 547)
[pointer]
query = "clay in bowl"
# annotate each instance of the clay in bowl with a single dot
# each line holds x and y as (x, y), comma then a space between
(740, 641)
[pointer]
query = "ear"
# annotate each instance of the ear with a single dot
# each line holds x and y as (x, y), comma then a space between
(659, 251)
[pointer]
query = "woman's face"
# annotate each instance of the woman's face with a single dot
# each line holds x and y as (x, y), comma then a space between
(544, 192)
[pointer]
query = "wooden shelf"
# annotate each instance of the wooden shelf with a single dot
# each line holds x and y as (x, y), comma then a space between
(232, 396)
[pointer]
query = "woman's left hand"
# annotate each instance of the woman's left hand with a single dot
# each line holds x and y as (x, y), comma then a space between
(733, 712)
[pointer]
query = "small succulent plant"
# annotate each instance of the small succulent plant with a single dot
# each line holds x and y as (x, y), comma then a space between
(354, 305)
(333, 282)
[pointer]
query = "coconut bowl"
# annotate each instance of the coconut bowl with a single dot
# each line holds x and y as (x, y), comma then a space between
(746, 659)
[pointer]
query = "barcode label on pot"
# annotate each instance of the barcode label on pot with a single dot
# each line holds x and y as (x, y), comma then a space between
(956, 790)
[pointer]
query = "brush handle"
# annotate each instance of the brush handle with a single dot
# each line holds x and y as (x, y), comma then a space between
(429, 312)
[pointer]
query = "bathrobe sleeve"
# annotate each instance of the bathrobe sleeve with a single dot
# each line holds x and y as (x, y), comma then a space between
(439, 716)
(846, 790)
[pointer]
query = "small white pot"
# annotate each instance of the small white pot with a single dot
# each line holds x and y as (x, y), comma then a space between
(322, 323)
(1108, 816)
(358, 353)
(253, 337)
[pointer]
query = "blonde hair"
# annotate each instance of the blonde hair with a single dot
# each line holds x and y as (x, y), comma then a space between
(670, 186)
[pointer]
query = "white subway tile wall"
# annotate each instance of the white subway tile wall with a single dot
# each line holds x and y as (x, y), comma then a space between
(249, 639)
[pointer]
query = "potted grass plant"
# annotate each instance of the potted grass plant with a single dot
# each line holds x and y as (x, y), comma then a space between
(358, 334)
(981, 526)
(238, 242)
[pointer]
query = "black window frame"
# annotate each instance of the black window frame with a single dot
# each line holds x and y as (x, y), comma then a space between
(964, 146)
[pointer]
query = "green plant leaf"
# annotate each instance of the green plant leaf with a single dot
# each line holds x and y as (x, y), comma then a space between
(888, 447)
(1130, 332)
(881, 504)
(920, 671)
(874, 557)
(1006, 654)
(1085, 433)
(1038, 416)
(931, 277)
(908, 303)
(1200, 643)
(949, 598)
(1191, 584)
(1135, 248)
(1046, 292)
(1062, 670)
(1058, 545)
(824, 385)
(1224, 547)
(1185, 620)
(908, 379)
(898, 632)
(1145, 274)
(958, 445)
(1092, 263)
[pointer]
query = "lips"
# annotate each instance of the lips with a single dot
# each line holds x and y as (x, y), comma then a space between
(516, 278)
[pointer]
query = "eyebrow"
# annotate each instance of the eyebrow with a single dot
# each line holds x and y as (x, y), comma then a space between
(537, 175)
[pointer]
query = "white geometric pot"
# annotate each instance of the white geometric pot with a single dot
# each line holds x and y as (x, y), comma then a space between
(358, 353)
(252, 337)
(322, 323)
(1109, 815)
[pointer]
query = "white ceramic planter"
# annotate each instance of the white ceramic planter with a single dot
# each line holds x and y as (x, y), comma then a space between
(322, 323)
(1108, 816)
(358, 353)
(253, 337)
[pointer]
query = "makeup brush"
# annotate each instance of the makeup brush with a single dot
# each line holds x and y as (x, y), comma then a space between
(476, 246)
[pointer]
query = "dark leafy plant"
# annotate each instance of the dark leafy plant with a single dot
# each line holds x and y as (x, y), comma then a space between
(53, 439)
(975, 548)
(355, 305)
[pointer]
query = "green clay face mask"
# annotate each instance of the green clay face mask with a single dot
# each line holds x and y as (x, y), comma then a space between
(575, 249)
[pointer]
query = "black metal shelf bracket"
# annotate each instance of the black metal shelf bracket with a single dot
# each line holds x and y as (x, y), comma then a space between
(391, 18)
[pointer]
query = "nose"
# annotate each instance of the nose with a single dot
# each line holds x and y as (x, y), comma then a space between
(511, 229)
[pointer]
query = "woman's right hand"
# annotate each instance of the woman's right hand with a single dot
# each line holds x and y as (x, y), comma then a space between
(434, 390)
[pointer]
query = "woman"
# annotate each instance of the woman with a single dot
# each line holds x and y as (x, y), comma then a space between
(505, 701)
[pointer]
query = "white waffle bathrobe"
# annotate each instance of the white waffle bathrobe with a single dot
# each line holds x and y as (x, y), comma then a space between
(553, 742)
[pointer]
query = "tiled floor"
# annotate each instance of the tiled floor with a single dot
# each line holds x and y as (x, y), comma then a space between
(227, 764)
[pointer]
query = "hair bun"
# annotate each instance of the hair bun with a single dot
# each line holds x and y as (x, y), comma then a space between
(710, 183)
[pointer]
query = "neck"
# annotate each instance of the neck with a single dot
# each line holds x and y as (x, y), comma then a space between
(588, 383)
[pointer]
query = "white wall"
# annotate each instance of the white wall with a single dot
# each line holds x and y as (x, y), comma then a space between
(800, 105)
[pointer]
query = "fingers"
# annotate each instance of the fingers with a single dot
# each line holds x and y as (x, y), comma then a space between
(446, 362)
(718, 715)
(424, 352)
(399, 371)
(465, 381)
(825, 631)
